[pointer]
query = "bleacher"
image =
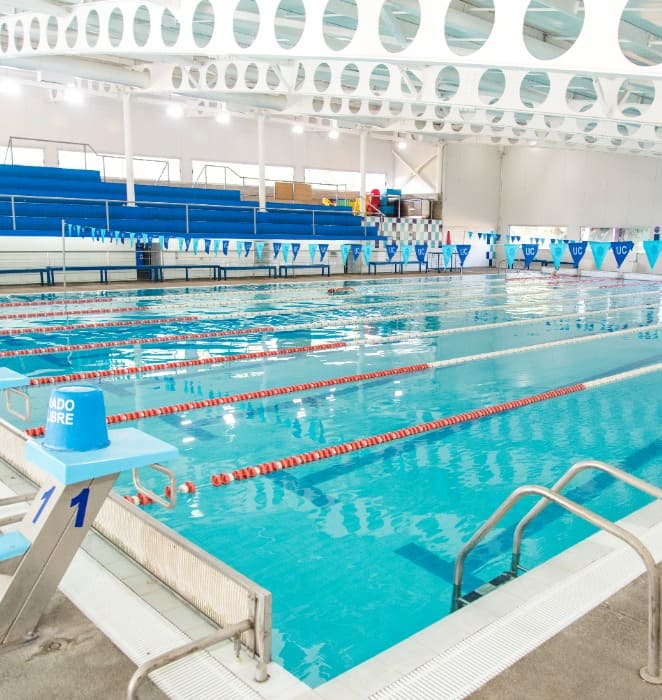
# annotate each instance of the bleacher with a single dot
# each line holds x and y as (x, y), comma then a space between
(35, 200)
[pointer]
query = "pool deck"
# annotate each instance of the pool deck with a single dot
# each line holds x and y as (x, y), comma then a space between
(583, 617)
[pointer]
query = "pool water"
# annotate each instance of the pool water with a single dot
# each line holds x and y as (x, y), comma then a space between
(358, 549)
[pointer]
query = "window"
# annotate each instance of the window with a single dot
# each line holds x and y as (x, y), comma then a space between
(207, 172)
(24, 156)
(616, 233)
(345, 180)
(111, 166)
(536, 234)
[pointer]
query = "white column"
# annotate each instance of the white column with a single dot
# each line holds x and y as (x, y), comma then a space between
(262, 193)
(128, 148)
(363, 135)
(439, 168)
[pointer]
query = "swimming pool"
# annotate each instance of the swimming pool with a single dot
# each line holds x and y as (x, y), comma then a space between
(358, 547)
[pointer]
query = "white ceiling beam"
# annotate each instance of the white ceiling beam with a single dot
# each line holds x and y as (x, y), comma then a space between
(44, 6)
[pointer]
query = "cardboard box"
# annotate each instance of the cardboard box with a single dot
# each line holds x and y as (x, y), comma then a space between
(303, 192)
(284, 190)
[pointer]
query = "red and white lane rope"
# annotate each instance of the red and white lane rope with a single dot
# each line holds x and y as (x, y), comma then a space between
(337, 381)
(77, 312)
(411, 431)
(67, 302)
(178, 364)
(136, 341)
(355, 323)
(106, 324)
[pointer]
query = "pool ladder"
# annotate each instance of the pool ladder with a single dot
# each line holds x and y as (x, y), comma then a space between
(650, 672)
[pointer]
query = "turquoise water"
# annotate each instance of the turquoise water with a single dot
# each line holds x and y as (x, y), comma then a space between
(358, 549)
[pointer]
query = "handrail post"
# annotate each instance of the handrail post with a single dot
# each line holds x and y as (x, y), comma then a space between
(13, 213)
(168, 657)
(651, 672)
(255, 221)
(569, 475)
(107, 216)
(314, 232)
(186, 215)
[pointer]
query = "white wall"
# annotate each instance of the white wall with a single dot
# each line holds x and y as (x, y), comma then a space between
(579, 188)
(98, 122)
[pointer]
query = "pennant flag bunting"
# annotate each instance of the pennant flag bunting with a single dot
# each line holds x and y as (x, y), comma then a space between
(510, 250)
(447, 251)
(196, 242)
(621, 250)
(421, 250)
(462, 251)
(217, 244)
(312, 249)
(286, 251)
(556, 250)
(344, 252)
(225, 246)
(238, 247)
(207, 245)
(599, 250)
(367, 252)
(652, 250)
(529, 250)
(356, 250)
(577, 251)
(323, 247)
(295, 250)
(247, 248)
(259, 249)
(405, 252)
(391, 250)
(277, 247)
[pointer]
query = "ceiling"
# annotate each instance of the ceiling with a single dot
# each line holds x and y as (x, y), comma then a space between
(559, 73)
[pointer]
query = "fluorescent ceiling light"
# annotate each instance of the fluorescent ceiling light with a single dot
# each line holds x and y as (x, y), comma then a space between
(297, 128)
(73, 96)
(175, 111)
(9, 87)
(222, 117)
(334, 133)
(402, 144)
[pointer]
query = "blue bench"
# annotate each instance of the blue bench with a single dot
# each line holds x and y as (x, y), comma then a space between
(374, 264)
(223, 269)
(292, 266)
(213, 267)
(41, 271)
(438, 256)
(421, 265)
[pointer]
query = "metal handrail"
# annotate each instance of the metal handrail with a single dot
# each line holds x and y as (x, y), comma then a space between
(168, 502)
(20, 498)
(10, 146)
(651, 672)
(576, 469)
(168, 657)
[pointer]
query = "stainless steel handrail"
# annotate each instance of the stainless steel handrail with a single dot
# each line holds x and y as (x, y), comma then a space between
(651, 672)
(576, 469)
(19, 498)
(168, 657)
(10, 146)
(168, 503)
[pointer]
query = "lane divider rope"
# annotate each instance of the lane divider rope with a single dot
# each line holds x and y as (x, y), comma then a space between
(467, 416)
(50, 302)
(86, 326)
(78, 312)
(348, 379)
(292, 328)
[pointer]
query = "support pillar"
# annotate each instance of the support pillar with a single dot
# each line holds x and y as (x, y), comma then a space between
(262, 194)
(128, 149)
(363, 135)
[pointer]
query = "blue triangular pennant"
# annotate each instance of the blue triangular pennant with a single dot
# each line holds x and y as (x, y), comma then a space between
(462, 252)
(207, 245)
(247, 247)
(286, 251)
(259, 249)
(356, 250)
(323, 247)
(367, 252)
(238, 247)
(421, 251)
(510, 251)
(405, 252)
(556, 250)
(621, 250)
(217, 245)
(312, 250)
(529, 251)
(577, 251)
(447, 251)
(599, 250)
(391, 250)
(225, 245)
(196, 243)
(277, 247)
(344, 252)
(652, 250)
(295, 250)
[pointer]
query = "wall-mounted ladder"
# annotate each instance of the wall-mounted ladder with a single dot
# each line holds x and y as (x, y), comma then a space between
(650, 672)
